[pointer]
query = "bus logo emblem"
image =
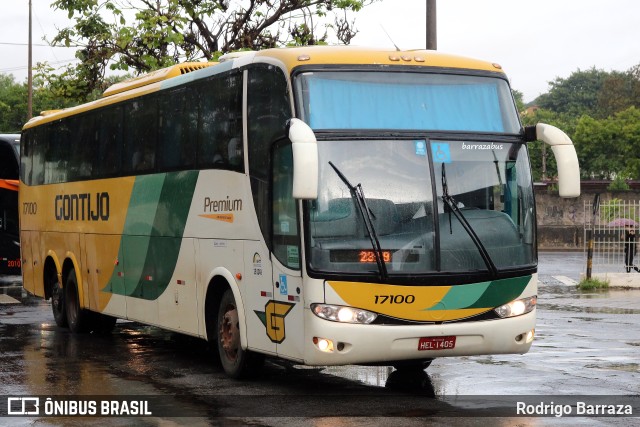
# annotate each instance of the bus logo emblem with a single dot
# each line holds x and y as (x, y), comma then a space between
(273, 319)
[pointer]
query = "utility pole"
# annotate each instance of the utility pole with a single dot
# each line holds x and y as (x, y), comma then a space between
(29, 73)
(432, 27)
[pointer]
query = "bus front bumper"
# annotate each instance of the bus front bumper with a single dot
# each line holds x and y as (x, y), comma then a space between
(333, 343)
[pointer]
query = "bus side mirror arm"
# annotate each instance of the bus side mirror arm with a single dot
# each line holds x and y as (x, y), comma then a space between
(566, 157)
(305, 160)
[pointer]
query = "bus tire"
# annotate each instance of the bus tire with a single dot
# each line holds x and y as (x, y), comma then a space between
(57, 302)
(412, 365)
(102, 324)
(236, 362)
(77, 318)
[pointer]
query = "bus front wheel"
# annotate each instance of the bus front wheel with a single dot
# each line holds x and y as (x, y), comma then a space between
(236, 362)
(413, 365)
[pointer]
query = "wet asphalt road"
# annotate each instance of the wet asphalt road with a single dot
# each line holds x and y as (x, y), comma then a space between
(587, 343)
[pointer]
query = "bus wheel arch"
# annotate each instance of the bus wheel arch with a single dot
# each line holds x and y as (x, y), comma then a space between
(77, 317)
(217, 287)
(226, 333)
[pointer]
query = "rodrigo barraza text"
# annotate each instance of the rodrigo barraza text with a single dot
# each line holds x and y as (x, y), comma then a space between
(581, 408)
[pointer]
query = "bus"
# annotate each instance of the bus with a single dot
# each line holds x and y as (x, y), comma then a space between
(9, 230)
(324, 205)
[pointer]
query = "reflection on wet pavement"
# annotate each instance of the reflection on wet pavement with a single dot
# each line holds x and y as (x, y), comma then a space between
(586, 343)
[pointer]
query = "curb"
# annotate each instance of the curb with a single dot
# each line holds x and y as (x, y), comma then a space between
(620, 280)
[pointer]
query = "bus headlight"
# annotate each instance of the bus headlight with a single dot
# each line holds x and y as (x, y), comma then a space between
(344, 314)
(517, 307)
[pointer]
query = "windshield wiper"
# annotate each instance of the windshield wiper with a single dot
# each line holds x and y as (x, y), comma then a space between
(453, 207)
(357, 194)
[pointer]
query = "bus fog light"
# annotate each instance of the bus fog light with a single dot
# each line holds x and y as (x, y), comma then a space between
(343, 314)
(325, 345)
(517, 307)
(530, 335)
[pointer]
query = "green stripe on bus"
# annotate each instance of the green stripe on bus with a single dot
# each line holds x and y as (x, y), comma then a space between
(461, 296)
(502, 291)
(153, 231)
(482, 295)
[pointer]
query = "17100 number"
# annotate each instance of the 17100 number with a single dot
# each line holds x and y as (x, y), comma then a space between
(394, 299)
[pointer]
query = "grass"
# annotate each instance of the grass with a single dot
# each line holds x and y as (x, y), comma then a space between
(593, 283)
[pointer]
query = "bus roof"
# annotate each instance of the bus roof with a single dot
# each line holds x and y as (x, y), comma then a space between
(290, 57)
(316, 55)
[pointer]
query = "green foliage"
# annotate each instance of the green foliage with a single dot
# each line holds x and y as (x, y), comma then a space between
(139, 36)
(13, 102)
(592, 283)
(618, 184)
(600, 111)
(518, 97)
(606, 147)
(577, 94)
(616, 208)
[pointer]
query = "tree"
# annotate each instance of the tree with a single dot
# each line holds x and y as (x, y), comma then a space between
(594, 92)
(619, 91)
(13, 102)
(575, 95)
(143, 35)
(519, 99)
(608, 148)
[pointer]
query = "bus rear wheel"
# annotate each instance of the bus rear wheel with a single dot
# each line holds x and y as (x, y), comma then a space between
(102, 324)
(77, 318)
(236, 362)
(57, 302)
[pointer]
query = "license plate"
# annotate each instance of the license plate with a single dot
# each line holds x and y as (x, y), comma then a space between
(437, 343)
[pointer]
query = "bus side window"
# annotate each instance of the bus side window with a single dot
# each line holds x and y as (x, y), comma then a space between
(109, 126)
(26, 158)
(178, 129)
(38, 148)
(140, 134)
(221, 123)
(83, 146)
(268, 110)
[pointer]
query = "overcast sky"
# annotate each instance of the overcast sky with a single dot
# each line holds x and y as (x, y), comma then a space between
(534, 40)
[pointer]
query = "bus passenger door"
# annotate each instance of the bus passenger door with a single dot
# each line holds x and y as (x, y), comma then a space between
(285, 316)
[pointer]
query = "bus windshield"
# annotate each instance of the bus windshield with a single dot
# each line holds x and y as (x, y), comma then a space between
(417, 230)
(406, 101)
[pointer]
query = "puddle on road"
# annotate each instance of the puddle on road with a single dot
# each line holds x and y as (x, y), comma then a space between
(608, 301)
(587, 309)
(626, 367)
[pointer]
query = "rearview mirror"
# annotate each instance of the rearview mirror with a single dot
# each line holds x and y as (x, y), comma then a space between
(566, 158)
(305, 160)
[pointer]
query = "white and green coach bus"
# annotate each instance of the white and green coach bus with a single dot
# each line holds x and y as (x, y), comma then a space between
(326, 205)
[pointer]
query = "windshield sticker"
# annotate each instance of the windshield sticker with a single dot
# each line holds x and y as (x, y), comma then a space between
(293, 256)
(283, 284)
(441, 152)
(421, 147)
